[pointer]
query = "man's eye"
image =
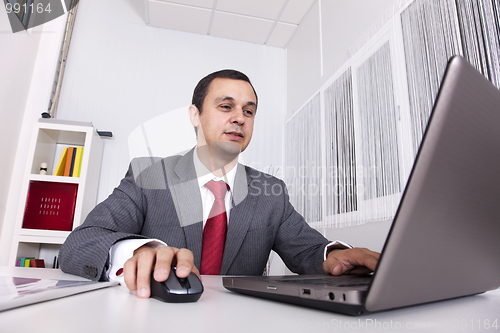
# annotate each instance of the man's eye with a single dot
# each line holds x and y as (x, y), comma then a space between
(249, 112)
(225, 107)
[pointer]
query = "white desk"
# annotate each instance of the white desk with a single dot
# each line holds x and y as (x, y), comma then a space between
(114, 309)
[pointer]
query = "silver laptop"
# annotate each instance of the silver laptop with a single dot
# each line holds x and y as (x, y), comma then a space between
(445, 238)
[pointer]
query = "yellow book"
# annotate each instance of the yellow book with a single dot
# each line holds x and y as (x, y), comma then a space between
(78, 162)
(27, 261)
(61, 164)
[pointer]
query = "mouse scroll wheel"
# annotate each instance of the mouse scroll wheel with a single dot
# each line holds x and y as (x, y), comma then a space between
(184, 283)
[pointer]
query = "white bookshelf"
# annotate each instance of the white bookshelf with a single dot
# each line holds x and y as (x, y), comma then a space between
(49, 138)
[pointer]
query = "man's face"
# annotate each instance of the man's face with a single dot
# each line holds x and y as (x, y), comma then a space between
(228, 115)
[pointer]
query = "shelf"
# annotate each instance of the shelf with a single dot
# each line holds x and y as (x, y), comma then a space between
(50, 144)
(44, 205)
(56, 179)
(50, 236)
(46, 251)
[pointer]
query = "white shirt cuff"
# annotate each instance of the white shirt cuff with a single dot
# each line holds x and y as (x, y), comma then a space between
(335, 245)
(122, 251)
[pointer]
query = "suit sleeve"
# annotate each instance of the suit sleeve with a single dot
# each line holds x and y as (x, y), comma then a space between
(300, 246)
(120, 216)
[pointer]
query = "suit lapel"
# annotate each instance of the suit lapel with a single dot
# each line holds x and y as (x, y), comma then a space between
(240, 218)
(183, 185)
(194, 239)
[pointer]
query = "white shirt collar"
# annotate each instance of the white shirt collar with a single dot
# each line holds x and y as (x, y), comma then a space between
(204, 175)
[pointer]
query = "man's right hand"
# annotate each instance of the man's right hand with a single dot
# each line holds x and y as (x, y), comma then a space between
(137, 270)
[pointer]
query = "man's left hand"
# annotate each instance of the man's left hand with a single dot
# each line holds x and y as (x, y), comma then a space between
(351, 261)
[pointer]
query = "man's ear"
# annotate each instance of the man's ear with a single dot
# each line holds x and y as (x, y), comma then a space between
(194, 115)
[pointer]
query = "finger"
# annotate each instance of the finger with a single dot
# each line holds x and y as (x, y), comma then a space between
(164, 257)
(342, 267)
(371, 262)
(338, 269)
(351, 261)
(185, 262)
(130, 274)
(197, 272)
(145, 262)
(364, 258)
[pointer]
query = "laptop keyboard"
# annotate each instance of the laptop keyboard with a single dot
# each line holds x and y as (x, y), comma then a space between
(332, 281)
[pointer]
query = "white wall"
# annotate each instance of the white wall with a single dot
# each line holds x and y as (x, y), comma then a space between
(28, 63)
(319, 47)
(17, 59)
(120, 73)
(323, 40)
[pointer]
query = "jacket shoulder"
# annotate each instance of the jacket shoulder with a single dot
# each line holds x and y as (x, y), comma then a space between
(254, 174)
(150, 172)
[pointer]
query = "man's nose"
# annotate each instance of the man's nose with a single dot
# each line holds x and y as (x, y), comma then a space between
(238, 117)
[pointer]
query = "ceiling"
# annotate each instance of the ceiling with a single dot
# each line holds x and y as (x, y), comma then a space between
(267, 22)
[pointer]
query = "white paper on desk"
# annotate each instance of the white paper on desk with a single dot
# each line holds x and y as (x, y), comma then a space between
(19, 291)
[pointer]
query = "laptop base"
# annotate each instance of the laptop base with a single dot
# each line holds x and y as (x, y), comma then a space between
(352, 310)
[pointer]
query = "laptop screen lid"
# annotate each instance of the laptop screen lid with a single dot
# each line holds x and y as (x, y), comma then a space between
(445, 238)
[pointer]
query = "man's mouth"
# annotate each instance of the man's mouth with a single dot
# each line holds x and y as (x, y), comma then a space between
(235, 135)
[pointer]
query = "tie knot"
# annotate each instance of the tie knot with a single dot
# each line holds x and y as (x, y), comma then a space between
(218, 188)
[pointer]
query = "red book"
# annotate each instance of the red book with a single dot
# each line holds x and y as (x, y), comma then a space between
(50, 206)
(39, 263)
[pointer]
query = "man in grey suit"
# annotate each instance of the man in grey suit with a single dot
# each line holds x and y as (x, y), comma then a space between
(160, 214)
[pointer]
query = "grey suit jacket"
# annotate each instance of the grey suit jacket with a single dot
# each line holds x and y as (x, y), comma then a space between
(160, 199)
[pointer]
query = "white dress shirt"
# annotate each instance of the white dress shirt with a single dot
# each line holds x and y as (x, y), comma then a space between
(207, 198)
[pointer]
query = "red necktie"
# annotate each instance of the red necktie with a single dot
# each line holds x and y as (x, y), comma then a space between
(214, 233)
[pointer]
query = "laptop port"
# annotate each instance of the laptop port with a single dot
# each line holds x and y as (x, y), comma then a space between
(331, 296)
(306, 291)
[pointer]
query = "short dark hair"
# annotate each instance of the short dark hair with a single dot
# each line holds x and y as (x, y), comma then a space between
(201, 90)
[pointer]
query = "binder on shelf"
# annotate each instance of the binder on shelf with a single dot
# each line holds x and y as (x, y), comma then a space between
(69, 162)
(50, 206)
(78, 162)
(61, 164)
(72, 167)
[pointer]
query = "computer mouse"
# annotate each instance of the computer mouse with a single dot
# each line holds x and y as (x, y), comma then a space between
(177, 290)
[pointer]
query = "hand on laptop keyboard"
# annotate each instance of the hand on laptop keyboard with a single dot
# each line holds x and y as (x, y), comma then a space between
(351, 261)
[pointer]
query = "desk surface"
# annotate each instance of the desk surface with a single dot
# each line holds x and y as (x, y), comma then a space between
(114, 309)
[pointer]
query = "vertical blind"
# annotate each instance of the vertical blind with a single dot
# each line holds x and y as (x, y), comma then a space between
(361, 129)
(303, 174)
(379, 135)
(341, 179)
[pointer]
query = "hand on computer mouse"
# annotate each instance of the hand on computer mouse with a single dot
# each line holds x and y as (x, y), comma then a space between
(137, 270)
(177, 289)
